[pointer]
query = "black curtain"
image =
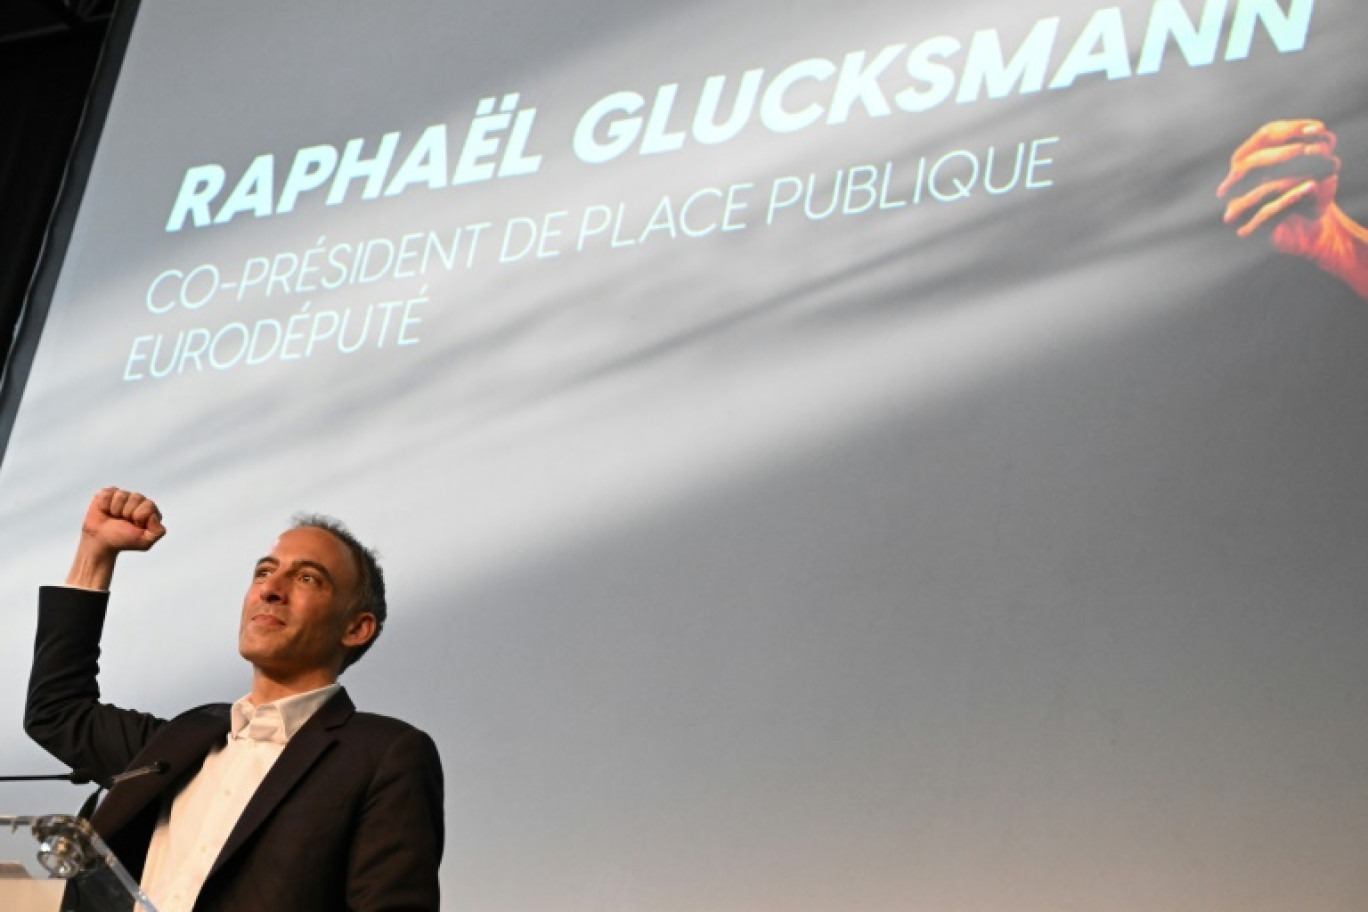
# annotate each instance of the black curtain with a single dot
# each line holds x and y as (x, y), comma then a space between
(44, 82)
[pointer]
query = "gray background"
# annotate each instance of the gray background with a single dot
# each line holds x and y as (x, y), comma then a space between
(998, 556)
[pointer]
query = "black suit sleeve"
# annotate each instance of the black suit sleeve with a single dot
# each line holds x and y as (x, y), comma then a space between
(64, 713)
(398, 845)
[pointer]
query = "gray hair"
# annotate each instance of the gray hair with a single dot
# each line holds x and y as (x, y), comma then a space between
(370, 585)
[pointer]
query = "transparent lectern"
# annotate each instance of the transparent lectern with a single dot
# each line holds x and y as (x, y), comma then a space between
(70, 857)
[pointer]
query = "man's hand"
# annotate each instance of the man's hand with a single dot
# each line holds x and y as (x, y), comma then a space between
(1285, 175)
(1284, 178)
(116, 521)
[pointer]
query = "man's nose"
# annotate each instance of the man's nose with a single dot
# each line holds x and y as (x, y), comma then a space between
(272, 589)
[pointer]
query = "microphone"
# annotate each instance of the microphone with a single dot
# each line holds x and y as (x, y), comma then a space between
(85, 777)
(156, 767)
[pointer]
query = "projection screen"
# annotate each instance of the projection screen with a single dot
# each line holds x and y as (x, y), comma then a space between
(824, 456)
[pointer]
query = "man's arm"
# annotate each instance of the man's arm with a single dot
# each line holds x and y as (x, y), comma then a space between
(64, 714)
(398, 843)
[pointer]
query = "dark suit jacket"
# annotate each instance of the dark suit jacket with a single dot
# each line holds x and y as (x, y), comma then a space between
(349, 817)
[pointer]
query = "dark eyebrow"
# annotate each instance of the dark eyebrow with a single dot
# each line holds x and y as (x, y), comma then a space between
(314, 565)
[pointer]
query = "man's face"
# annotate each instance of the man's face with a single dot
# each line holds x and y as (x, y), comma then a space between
(297, 617)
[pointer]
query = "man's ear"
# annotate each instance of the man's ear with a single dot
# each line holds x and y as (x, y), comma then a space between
(360, 630)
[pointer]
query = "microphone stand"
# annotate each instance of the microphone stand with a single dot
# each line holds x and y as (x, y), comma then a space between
(75, 777)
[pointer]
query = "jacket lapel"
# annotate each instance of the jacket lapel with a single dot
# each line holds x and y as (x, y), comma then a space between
(182, 745)
(299, 755)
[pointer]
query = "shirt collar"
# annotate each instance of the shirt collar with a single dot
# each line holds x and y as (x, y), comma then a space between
(278, 720)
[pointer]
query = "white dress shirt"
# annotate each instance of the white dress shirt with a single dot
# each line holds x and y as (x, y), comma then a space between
(196, 823)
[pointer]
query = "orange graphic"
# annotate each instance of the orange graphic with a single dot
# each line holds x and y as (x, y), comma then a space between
(1284, 178)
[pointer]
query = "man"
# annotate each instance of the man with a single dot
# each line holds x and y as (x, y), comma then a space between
(289, 800)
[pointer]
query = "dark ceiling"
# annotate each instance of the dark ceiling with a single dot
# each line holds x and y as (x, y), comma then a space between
(48, 52)
(24, 20)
